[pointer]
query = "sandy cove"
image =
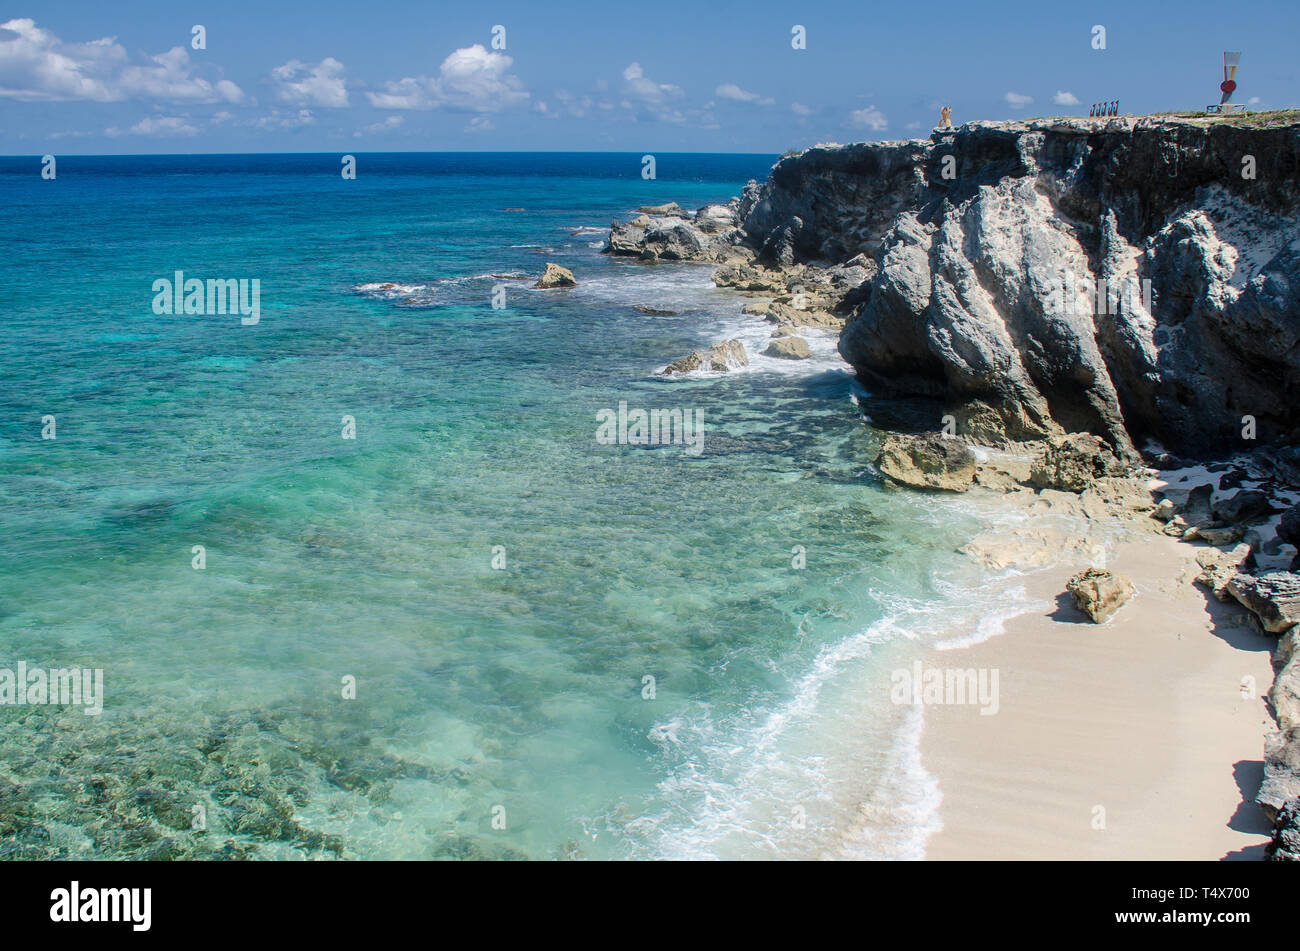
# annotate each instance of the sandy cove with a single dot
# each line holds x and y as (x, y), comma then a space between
(1143, 716)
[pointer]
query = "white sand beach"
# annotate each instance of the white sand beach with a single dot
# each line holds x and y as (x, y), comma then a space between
(1129, 739)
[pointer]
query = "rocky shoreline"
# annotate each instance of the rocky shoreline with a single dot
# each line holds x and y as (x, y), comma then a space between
(1111, 300)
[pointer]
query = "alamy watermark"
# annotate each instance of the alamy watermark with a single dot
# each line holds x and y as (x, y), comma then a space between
(59, 686)
(1069, 294)
(946, 686)
(193, 296)
(655, 427)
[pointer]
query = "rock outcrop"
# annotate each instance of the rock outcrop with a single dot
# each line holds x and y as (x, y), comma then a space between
(556, 276)
(666, 232)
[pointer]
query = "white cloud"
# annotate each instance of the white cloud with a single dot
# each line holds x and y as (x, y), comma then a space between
(480, 124)
(470, 80)
(799, 109)
(163, 125)
(170, 79)
(1063, 98)
(1254, 101)
(319, 85)
(869, 118)
(35, 65)
(387, 125)
(637, 85)
(645, 97)
(1017, 100)
(735, 93)
(282, 120)
(157, 126)
(576, 106)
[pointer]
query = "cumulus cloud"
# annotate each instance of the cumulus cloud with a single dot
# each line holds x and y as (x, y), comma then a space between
(319, 85)
(869, 118)
(1017, 100)
(735, 93)
(35, 65)
(799, 109)
(470, 80)
(1063, 98)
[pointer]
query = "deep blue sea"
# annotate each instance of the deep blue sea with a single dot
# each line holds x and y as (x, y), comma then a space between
(472, 630)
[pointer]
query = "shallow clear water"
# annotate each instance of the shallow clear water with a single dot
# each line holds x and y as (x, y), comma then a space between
(499, 712)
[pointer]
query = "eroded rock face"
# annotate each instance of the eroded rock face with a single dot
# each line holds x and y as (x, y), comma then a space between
(1274, 597)
(1285, 846)
(1281, 772)
(985, 291)
(1073, 463)
(928, 462)
(1285, 692)
(1099, 593)
(556, 276)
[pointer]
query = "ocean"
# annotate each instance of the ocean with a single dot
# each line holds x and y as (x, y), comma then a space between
(360, 577)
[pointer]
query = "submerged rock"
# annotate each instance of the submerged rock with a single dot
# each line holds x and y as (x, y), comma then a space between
(556, 276)
(928, 462)
(788, 348)
(1099, 593)
(720, 357)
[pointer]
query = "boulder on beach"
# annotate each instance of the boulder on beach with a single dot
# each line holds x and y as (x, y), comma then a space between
(1274, 597)
(788, 348)
(1219, 567)
(927, 462)
(1099, 593)
(1245, 506)
(556, 276)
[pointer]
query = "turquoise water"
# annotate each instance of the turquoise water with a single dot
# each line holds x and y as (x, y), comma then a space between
(499, 711)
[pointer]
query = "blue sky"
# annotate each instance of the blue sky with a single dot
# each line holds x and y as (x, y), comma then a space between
(708, 76)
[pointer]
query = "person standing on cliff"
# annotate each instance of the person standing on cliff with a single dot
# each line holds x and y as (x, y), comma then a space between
(945, 118)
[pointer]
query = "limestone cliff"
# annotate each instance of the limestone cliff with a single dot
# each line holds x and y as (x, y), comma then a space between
(1011, 269)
